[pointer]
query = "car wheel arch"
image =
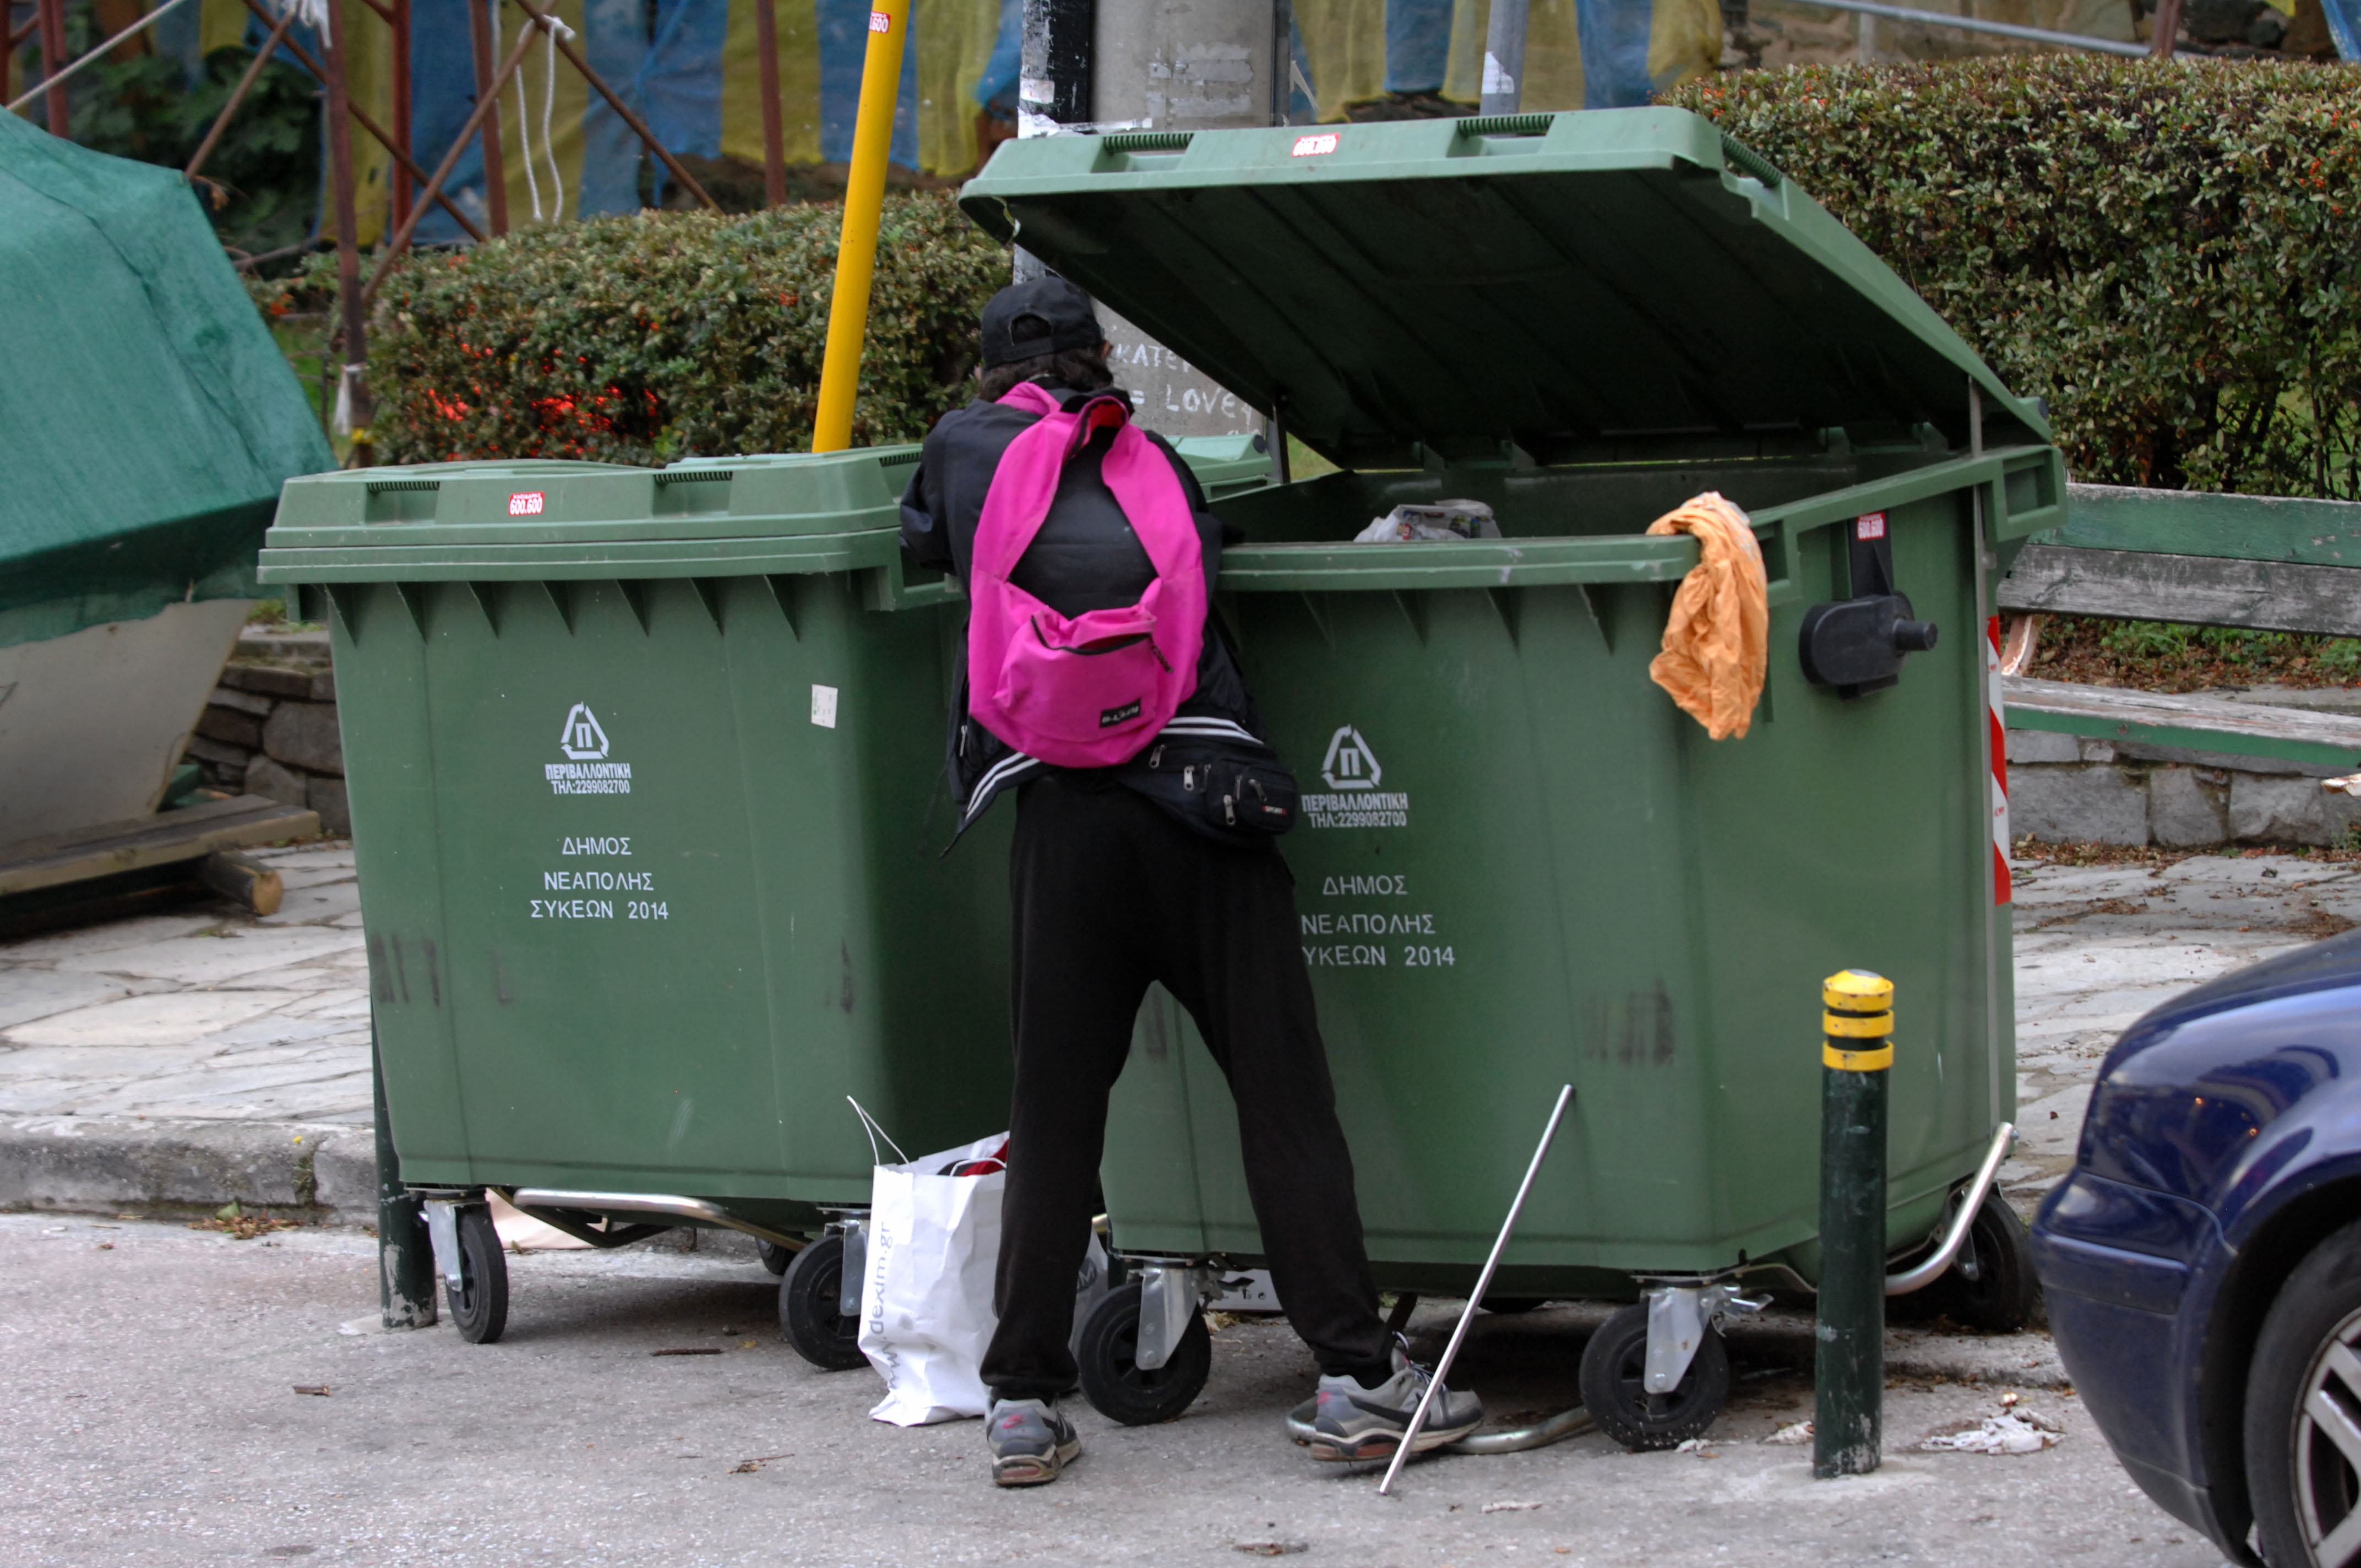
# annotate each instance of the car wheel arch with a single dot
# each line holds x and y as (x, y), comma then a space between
(2261, 1263)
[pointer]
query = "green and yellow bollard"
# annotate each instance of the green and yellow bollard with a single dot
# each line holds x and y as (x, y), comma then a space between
(1849, 1364)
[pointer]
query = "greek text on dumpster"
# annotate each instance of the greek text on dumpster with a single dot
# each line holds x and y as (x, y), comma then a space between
(1379, 930)
(598, 879)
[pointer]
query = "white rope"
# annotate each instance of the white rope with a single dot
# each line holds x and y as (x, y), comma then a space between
(524, 131)
(548, 104)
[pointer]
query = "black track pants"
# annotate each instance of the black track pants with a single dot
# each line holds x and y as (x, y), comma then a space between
(1110, 893)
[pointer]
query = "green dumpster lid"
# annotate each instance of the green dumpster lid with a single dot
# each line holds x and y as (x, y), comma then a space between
(771, 512)
(1583, 285)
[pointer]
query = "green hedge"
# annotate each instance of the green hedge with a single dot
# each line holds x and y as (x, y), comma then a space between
(646, 339)
(2169, 253)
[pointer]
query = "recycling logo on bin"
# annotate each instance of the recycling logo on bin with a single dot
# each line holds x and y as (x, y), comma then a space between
(1353, 772)
(586, 770)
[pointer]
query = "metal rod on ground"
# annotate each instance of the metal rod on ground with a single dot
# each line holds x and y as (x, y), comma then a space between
(1504, 57)
(405, 1254)
(353, 388)
(378, 133)
(400, 241)
(1848, 1359)
(487, 112)
(775, 140)
(856, 250)
(1475, 1297)
(1977, 25)
(623, 112)
(402, 189)
(55, 117)
(238, 94)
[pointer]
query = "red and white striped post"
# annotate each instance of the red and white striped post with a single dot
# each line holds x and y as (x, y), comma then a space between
(2001, 892)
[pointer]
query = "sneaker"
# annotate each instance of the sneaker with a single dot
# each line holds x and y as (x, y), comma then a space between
(1030, 1441)
(1350, 1422)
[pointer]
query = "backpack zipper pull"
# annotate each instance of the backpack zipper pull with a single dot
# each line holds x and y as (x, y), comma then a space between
(1156, 758)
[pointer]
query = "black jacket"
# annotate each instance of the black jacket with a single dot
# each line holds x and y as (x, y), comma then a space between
(1084, 557)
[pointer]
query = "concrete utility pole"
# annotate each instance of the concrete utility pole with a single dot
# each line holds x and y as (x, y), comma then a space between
(1504, 57)
(1053, 83)
(1185, 65)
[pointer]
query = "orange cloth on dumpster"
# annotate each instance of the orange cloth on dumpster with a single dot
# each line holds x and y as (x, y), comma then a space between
(1717, 642)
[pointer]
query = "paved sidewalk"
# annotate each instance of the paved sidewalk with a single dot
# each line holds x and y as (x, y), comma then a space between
(188, 1059)
(177, 1397)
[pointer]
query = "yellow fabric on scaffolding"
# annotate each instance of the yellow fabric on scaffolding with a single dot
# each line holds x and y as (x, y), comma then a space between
(1684, 40)
(1345, 47)
(1553, 55)
(1717, 641)
(741, 83)
(368, 83)
(220, 24)
(954, 39)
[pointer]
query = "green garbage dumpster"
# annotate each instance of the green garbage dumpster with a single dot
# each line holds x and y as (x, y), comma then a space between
(1519, 865)
(641, 766)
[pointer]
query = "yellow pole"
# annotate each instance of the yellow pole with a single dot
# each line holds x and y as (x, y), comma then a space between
(864, 200)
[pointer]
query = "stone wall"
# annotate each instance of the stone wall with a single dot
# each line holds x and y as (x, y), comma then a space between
(2062, 789)
(271, 726)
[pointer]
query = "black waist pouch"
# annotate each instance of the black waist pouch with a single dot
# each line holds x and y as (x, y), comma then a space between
(1230, 794)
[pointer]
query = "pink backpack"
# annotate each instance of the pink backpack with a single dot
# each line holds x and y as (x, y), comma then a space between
(1087, 692)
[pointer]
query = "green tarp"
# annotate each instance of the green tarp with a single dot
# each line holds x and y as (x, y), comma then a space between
(146, 418)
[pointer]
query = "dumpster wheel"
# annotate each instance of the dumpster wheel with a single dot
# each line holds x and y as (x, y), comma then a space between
(481, 1305)
(1614, 1387)
(1991, 1286)
(811, 1312)
(1118, 1386)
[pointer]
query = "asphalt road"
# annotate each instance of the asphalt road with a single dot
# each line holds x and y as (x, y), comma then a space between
(149, 1413)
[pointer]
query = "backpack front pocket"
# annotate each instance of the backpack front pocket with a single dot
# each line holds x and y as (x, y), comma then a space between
(1089, 679)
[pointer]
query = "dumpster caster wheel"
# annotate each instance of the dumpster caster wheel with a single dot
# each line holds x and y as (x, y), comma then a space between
(810, 1309)
(1614, 1391)
(774, 1258)
(1118, 1386)
(2003, 1295)
(481, 1305)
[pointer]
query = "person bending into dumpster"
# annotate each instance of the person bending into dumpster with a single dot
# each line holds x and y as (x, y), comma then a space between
(1098, 685)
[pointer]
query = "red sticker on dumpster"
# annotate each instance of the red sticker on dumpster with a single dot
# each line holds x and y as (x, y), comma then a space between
(1871, 526)
(1312, 147)
(525, 504)
(879, 22)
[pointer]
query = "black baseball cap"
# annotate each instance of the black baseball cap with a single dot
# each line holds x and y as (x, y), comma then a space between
(1048, 315)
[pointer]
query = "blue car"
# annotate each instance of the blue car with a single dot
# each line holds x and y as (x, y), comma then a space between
(2202, 1263)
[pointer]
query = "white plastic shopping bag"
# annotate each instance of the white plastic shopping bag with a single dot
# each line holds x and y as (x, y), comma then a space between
(926, 1287)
